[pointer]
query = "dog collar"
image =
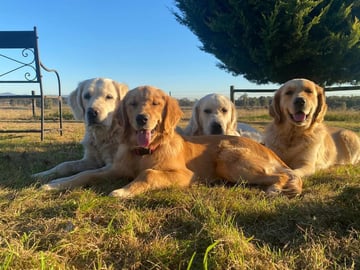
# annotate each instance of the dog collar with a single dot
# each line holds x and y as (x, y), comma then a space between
(142, 151)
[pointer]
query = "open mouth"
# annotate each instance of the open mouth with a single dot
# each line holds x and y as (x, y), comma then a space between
(144, 137)
(299, 117)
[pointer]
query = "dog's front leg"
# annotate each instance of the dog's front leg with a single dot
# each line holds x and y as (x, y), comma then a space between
(68, 168)
(152, 179)
(82, 178)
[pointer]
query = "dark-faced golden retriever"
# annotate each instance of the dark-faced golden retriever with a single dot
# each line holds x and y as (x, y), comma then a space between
(154, 156)
(215, 114)
(298, 135)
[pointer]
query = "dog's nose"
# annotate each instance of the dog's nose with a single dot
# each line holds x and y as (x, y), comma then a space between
(141, 119)
(216, 129)
(92, 115)
(299, 101)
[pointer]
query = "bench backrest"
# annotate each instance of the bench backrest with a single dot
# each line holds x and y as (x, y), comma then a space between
(19, 49)
(20, 63)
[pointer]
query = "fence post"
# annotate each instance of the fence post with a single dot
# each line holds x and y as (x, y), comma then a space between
(232, 93)
(33, 103)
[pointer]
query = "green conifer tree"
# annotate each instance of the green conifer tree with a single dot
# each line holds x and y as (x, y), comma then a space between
(277, 40)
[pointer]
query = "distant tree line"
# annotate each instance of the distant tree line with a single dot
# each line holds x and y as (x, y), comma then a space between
(49, 103)
(343, 103)
(244, 101)
(251, 102)
(333, 102)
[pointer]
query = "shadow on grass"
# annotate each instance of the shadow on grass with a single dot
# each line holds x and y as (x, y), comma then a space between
(292, 225)
(17, 164)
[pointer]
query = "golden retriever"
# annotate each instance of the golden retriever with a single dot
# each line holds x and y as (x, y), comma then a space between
(215, 114)
(154, 156)
(94, 101)
(298, 135)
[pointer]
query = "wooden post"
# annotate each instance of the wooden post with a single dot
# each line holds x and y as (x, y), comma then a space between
(232, 93)
(33, 104)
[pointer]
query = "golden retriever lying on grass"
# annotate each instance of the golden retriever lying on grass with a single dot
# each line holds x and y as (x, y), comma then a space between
(215, 114)
(155, 156)
(93, 101)
(299, 136)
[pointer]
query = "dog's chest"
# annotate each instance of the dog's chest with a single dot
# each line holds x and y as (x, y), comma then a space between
(103, 147)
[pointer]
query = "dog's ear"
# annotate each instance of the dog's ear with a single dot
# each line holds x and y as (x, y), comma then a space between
(122, 118)
(172, 114)
(194, 126)
(121, 89)
(321, 106)
(233, 121)
(274, 108)
(121, 114)
(76, 103)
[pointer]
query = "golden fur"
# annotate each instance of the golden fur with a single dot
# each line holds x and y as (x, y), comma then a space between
(94, 101)
(155, 156)
(298, 135)
(215, 114)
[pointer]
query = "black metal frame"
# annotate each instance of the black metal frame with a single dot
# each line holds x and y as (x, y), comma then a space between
(28, 42)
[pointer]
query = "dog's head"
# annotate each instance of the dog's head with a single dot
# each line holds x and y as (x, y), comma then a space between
(213, 114)
(300, 102)
(147, 114)
(95, 100)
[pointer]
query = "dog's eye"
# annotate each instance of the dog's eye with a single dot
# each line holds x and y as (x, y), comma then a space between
(155, 103)
(224, 110)
(87, 96)
(289, 93)
(109, 97)
(208, 111)
(133, 103)
(308, 90)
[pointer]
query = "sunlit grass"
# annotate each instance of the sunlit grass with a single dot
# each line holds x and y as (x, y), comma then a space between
(203, 227)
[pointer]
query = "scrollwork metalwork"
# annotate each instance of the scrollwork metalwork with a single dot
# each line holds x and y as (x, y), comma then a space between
(25, 64)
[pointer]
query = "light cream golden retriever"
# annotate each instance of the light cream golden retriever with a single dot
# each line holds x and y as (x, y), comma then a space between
(154, 156)
(215, 114)
(299, 136)
(94, 101)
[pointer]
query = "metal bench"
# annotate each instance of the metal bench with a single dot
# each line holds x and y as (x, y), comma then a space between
(20, 50)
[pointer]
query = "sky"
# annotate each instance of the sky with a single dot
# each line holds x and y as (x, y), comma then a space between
(137, 42)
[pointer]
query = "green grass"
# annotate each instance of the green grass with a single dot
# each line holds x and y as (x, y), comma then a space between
(217, 227)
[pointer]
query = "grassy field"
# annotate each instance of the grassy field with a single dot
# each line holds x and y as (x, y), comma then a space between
(217, 227)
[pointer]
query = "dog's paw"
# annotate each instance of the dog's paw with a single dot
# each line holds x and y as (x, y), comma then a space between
(273, 190)
(120, 193)
(293, 187)
(49, 186)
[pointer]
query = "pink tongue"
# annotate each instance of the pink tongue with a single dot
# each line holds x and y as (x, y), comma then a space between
(143, 138)
(299, 117)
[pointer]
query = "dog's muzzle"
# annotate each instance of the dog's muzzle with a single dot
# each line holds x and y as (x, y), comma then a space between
(141, 119)
(216, 129)
(92, 116)
(299, 104)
